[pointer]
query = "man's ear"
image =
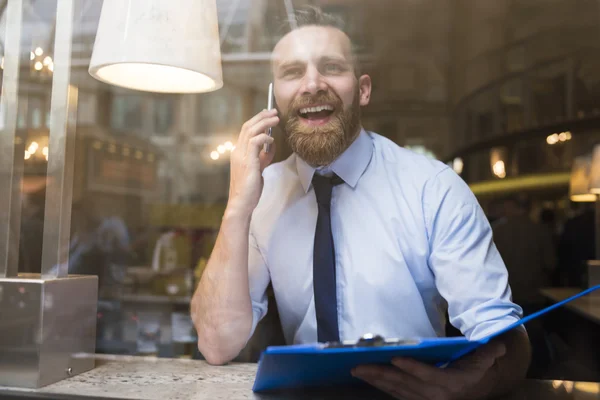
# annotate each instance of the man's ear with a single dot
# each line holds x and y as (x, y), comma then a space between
(364, 87)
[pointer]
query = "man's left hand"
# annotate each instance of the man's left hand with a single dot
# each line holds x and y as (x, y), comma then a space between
(412, 380)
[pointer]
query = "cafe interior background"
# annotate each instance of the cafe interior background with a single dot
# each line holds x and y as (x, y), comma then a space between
(506, 92)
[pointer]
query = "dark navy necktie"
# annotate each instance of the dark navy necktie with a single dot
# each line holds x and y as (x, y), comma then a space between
(324, 280)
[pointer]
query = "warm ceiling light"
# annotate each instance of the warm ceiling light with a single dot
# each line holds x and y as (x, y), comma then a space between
(221, 149)
(47, 60)
(39, 51)
(552, 139)
(158, 46)
(228, 145)
(214, 155)
(38, 66)
(27, 155)
(458, 165)
(33, 147)
(499, 169)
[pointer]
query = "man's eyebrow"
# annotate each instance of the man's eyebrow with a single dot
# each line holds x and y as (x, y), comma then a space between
(288, 63)
(294, 63)
(342, 60)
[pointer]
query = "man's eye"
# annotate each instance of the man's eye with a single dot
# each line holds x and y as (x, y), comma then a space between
(333, 68)
(292, 72)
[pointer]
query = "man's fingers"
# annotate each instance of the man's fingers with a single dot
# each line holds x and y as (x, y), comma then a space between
(262, 126)
(483, 358)
(257, 129)
(395, 391)
(249, 126)
(423, 372)
(256, 144)
(394, 380)
(247, 129)
(261, 115)
(267, 158)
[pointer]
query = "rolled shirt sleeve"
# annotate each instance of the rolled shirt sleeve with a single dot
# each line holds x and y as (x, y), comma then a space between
(469, 272)
(258, 279)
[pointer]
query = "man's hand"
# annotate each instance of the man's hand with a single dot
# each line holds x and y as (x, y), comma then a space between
(248, 160)
(412, 380)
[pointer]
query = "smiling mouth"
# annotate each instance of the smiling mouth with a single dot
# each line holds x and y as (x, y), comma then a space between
(317, 113)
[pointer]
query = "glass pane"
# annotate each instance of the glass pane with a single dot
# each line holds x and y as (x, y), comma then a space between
(505, 93)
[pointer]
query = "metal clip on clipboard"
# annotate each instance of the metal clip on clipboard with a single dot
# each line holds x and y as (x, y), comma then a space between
(370, 340)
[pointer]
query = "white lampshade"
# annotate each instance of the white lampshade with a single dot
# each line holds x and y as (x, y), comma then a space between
(579, 188)
(165, 46)
(595, 170)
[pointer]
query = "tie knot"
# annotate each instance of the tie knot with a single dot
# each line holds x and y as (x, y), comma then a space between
(323, 186)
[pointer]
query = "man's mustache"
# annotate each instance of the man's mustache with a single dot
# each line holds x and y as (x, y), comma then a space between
(308, 100)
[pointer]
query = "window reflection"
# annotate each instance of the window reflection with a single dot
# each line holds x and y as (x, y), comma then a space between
(484, 87)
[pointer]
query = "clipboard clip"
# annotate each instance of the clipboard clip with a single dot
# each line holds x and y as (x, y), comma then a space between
(369, 340)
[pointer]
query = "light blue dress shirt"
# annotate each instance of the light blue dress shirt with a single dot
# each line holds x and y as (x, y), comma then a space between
(411, 242)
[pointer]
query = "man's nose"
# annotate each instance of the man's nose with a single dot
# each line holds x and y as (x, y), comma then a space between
(313, 82)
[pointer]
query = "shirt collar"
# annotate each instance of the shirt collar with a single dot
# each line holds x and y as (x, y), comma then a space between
(349, 166)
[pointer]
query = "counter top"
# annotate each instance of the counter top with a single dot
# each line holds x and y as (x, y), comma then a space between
(587, 306)
(131, 377)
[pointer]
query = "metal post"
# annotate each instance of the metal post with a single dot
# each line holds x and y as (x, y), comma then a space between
(63, 116)
(11, 146)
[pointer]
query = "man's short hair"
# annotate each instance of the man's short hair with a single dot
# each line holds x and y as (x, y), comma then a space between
(315, 16)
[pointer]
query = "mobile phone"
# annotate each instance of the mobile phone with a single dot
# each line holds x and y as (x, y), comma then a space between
(267, 147)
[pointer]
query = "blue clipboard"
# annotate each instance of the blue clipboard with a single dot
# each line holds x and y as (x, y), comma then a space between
(315, 365)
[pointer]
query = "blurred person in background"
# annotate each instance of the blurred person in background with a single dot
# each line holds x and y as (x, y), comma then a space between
(495, 210)
(527, 250)
(85, 256)
(99, 246)
(576, 245)
(549, 220)
(530, 257)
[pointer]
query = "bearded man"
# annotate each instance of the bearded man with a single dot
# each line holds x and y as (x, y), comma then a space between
(356, 234)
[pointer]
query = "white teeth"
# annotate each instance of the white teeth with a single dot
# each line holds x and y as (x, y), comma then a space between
(316, 109)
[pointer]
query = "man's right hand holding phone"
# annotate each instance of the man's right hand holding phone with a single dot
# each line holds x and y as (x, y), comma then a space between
(248, 161)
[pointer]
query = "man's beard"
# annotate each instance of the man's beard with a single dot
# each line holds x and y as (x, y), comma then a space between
(321, 145)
